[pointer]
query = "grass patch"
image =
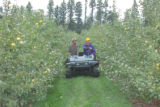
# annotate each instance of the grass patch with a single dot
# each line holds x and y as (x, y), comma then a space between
(84, 92)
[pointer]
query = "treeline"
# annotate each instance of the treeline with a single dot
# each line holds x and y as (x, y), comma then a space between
(69, 14)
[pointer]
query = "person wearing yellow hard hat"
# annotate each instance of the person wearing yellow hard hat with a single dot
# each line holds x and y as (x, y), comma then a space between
(88, 39)
(88, 48)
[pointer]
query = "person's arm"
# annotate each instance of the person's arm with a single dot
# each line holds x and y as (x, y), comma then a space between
(70, 49)
(84, 49)
(93, 50)
(77, 50)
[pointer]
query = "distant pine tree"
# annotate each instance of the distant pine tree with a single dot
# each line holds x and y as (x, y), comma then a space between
(88, 23)
(134, 16)
(56, 12)
(63, 13)
(99, 11)
(92, 6)
(78, 13)
(127, 17)
(147, 12)
(85, 15)
(135, 11)
(112, 15)
(50, 8)
(71, 9)
(151, 12)
(114, 6)
(22, 9)
(1, 11)
(29, 7)
(105, 10)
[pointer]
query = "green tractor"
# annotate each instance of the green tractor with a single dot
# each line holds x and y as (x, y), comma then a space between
(82, 65)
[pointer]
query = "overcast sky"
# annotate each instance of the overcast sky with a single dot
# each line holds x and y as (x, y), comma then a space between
(122, 5)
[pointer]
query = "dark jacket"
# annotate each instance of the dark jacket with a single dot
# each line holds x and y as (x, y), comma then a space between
(89, 50)
(73, 49)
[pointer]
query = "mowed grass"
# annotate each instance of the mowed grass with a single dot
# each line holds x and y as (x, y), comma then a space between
(84, 92)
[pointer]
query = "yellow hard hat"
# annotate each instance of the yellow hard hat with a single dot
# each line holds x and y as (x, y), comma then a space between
(88, 39)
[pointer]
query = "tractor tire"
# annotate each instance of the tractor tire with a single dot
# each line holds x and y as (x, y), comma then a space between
(68, 73)
(95, 72)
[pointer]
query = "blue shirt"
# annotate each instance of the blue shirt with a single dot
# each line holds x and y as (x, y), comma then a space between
(88, 49)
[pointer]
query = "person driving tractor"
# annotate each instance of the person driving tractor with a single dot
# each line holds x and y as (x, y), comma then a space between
(88, 48)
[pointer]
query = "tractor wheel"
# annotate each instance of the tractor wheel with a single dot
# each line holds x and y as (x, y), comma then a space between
(68, 73)
(95, 72)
